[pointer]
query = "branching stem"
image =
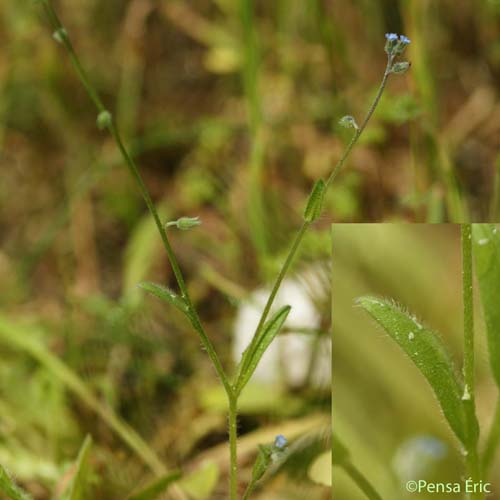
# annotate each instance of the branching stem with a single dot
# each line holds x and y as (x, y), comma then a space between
(232, 394)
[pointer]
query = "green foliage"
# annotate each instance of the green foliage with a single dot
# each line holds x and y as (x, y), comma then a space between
(166, 295)
(80, 484)
(200, 484)
(258, 347)
(486, 240)
(154, 489)
(314, 205)
(27, 340)
(429, 355)
(10, 488)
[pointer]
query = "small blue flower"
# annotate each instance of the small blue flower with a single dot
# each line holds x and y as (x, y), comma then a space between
(280, 442)
(391, 36)
(404, 39)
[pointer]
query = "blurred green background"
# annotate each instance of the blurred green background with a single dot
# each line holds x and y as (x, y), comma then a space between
(235, 110)
(231, 116)
(384, 411)
(81, 345)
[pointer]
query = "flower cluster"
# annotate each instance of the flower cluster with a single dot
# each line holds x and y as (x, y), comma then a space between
(396, 45)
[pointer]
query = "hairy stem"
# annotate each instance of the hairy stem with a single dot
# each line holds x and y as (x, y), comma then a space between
(233, 435)
(130, 162)
(305, 225)
(472, 429)
(364, 123)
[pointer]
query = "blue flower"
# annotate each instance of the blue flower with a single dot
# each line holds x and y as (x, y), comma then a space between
(280, 442)
(396, 45)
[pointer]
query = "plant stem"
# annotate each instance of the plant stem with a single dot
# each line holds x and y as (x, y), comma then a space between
(472, 428)
(363, 125)
(305, 225)
(130, 162)
(233, 435)
(277, 284)
(492, 441)
(361, 481)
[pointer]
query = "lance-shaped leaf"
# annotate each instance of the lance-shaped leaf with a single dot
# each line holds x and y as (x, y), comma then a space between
(315, 201)
(81, 479)
(10, 488)
(166, 295)
(428, 353)
(486, 249)
(257, 348)
(156, 488)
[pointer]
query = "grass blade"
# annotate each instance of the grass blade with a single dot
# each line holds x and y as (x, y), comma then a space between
(486, 249)
(428, 353)
(10, 488)
(254, 353)
(26, 339)
(80, 483)
(165, 294)
(156, 488)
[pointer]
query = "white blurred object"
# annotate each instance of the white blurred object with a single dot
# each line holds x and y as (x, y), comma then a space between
(418, 456)
(289, 356)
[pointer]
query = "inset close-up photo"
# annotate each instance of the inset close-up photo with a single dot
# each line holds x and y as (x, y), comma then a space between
(416, 361)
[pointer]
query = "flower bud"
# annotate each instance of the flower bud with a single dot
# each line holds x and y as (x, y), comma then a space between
(104, 120)
(400, 47)
(280, 442)
(315, 202)
(348, 121)
(60, 35)
(392, 39)
(185, 223)
(400, 67)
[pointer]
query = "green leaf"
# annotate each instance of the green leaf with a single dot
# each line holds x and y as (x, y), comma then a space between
(315, 202)
(165, 294)
(257, 348)
(428, 353)
(10, 488)
(80, 484)
(155, 488)
(262, 462)
(486, 249)
(201, 483)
